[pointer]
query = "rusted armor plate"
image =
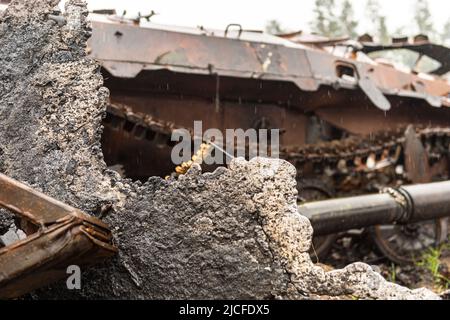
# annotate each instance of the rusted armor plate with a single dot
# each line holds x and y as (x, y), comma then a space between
(58, 236)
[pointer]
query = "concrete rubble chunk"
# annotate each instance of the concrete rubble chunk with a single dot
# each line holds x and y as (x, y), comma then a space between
(234, 233)
(13, 235)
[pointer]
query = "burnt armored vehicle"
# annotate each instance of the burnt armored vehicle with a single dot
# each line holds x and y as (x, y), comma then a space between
(343, 114)
(54, 234)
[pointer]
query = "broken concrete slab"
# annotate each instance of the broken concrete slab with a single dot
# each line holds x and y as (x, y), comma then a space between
(13, 235)
(8, 238)
(235, 233)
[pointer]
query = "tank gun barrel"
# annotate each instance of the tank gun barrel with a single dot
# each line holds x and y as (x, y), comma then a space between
(407, 204)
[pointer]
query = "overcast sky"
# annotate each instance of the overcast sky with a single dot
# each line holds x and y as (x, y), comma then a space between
(254, 14)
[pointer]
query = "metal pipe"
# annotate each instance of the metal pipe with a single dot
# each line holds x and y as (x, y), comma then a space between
(403, 205)
(337, 215)
(429, 201)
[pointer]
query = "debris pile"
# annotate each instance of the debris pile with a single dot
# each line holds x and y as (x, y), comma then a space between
(234, 233)
(12, 235)
(6, 222)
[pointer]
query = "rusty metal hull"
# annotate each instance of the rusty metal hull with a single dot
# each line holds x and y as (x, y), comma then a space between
(242, 79)
(125, 51)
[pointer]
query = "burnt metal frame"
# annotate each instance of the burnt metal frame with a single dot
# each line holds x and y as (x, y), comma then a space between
(58, 236)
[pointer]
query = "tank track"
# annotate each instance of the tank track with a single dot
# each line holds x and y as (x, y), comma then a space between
(353, 154)
(140, 125)
(435, 140)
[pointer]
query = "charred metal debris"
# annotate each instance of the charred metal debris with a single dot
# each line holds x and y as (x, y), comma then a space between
(57, 236)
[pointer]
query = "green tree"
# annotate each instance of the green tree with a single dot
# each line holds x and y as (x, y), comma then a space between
(446, 33)
(325, 22)
(400, 31)
(423, 18)
(372, 9)
(274, 27)
(383, 32)
(379, 28)
(347, 19)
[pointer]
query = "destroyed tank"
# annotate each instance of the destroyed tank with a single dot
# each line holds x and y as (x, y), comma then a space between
(343, 116)
(57, 234)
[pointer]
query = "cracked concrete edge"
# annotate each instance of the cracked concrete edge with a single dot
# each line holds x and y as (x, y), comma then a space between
(290, 237)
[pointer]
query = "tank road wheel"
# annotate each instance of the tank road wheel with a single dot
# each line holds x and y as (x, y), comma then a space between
(315, 190)
(405, 244)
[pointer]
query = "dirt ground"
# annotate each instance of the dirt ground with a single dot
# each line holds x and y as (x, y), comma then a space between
(432, 271)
